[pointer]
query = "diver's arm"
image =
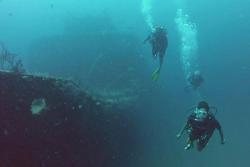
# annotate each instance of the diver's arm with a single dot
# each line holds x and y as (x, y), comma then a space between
(148, 38)
(218, 126)
(182, 131)
(221, 135)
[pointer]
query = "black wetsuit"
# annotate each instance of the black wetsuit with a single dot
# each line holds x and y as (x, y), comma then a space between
(202, 130)
(195, 81)
(159, 42)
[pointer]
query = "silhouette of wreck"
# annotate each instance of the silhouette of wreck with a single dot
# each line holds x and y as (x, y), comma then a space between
(51, 122)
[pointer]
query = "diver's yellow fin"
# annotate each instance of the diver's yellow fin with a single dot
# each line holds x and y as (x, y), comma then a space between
(156, 74)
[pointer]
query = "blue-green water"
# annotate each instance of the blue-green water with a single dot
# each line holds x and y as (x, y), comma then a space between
(99, 44)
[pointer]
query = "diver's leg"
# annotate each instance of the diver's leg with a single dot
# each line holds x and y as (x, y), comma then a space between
(189, 144)
(202, 141)
(154, 53)
(154, 50)
(161, 60)
(156, 73)
(190, 141)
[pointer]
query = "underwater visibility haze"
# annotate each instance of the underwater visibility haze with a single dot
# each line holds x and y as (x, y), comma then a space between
(98, 45)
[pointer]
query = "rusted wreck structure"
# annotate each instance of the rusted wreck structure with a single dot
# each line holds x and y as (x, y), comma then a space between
(52, 122)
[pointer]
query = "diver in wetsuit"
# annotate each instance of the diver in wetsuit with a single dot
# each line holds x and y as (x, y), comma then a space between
(200, 127)
(159, 43)
(195, 80)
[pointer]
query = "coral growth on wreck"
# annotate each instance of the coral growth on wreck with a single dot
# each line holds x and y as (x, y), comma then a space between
(10, 61)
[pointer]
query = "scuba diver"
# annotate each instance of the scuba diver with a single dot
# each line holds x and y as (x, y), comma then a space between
(159, 42)
(195, 80)
(200, 127)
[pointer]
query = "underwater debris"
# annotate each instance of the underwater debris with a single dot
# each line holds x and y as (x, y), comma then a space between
(38, 106)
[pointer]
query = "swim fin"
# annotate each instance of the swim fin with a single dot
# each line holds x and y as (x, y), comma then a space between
(156, 74)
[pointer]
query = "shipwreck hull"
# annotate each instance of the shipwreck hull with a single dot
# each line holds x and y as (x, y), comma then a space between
(71, 129)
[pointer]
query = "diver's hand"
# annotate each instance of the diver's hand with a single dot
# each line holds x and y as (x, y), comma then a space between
(222, 141)
(178, 136)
